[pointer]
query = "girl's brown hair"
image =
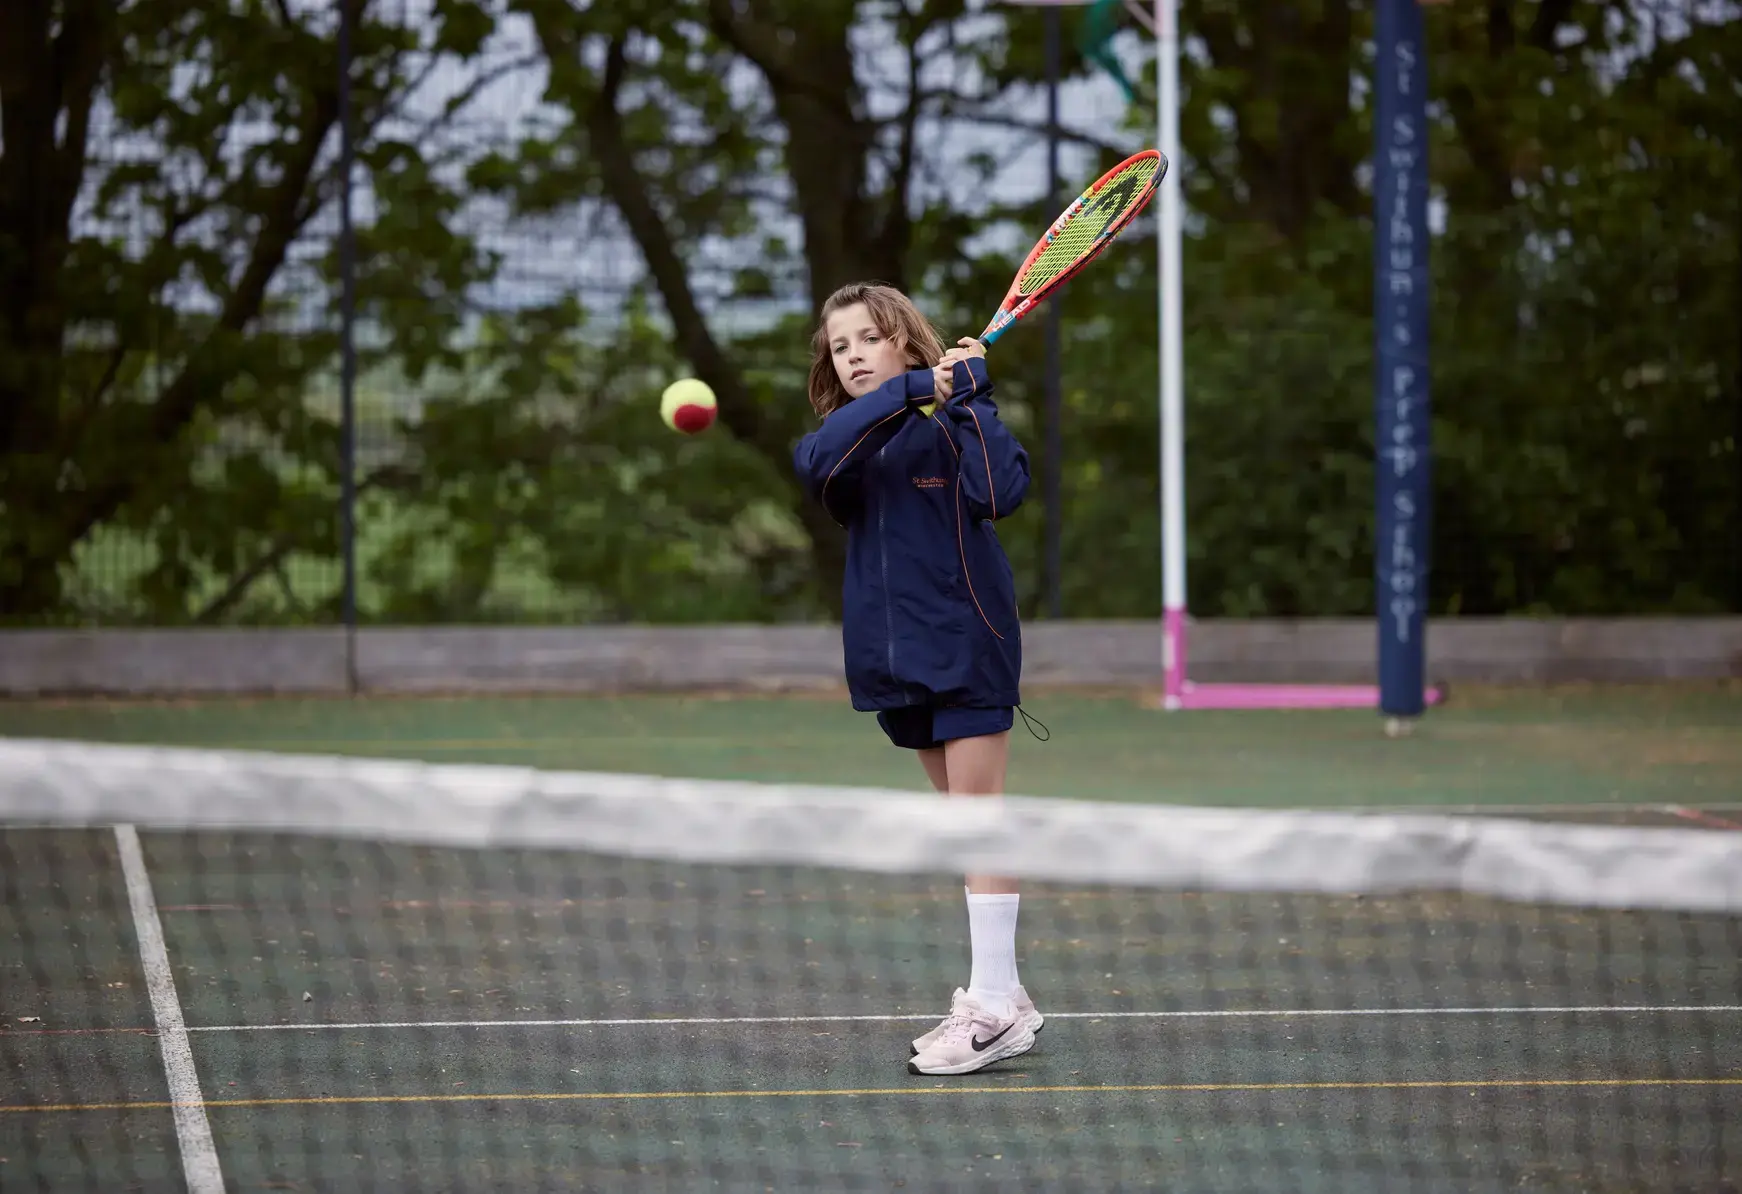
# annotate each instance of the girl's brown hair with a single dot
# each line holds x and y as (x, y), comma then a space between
(895, 316)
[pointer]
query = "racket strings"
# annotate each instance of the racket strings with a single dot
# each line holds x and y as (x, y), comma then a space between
(1081, 234)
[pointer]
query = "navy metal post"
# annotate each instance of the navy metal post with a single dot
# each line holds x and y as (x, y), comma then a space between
(1400, 308)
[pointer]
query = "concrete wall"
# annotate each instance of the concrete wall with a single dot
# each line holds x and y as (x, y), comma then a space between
(773, 658)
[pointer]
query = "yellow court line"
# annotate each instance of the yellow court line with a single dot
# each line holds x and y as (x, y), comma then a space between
(861, 1092)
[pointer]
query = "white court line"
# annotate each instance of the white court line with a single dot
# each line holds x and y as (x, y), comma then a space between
(193, 1132)
(1286, 1013)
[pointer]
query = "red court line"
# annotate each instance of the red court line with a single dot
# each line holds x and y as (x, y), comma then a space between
(1702, 817)
(5, 1032)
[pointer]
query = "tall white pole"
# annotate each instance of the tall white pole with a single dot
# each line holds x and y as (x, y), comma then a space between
(1173, 517)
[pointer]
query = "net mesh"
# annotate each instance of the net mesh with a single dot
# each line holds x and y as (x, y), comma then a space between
(251, 971)
(1101, 210)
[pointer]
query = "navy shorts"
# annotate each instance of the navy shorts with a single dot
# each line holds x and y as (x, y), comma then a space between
(921, 727)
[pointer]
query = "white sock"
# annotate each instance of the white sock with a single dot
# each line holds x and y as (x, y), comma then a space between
(992, 931)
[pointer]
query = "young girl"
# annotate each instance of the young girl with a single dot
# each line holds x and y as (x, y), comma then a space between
(912, 459)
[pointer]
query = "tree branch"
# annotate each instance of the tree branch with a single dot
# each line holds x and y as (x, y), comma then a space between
(177, 219)
(1482, 131)
(459, 102)
(1221, 33)
(897, 220)
(1550, 16)
(1206, 168)
(1066, 134)
(629, 193)
(283, 216)
(761, 47)
(1501, 33)
(47, 86)
(81, 68)
(281, 546)
(1483, 142)
(369, 122)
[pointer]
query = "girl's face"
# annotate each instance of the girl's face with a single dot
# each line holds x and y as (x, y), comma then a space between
(864, 357)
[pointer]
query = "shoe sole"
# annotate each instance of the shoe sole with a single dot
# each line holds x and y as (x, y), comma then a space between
(1015, 1047)
(1039, 1023)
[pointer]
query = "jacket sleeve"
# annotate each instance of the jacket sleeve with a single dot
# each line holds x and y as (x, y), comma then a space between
(994, 465)
(831, 460)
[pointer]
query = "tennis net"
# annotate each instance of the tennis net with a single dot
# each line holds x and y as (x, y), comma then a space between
(234, 970)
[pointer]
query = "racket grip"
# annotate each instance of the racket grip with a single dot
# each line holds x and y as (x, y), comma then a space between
(1001, 323)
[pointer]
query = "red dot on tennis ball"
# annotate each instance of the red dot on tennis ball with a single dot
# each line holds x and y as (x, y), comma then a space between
(687, 406)
(690, 418)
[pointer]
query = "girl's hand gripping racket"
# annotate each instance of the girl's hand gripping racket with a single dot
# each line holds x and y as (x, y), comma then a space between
(1077, 237)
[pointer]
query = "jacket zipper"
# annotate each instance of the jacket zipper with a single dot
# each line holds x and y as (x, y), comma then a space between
(961, 547)
(883, 555)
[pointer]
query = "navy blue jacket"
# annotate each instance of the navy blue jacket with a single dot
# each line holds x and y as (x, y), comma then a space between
(929, 615)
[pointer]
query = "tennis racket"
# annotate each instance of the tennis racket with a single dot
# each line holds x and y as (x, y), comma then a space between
(1077, 237)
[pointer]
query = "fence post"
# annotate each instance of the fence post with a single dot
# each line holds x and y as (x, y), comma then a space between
(347, 349)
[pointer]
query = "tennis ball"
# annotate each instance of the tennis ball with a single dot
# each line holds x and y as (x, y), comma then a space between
(688, 406)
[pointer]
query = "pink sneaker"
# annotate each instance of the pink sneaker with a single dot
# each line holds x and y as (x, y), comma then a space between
(971, 1038)
(1025, 1011)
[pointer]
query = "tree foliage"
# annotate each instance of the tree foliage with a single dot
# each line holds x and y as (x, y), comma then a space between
(564, 204)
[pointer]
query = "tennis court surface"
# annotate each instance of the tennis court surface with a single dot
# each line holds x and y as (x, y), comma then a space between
(280, 969)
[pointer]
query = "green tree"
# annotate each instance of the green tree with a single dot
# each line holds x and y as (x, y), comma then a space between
(166, 347)
(750, 133)
(164, 279)
(1586, 324)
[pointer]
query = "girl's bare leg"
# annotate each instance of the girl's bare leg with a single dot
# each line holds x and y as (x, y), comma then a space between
(932, 759)
(976, 767)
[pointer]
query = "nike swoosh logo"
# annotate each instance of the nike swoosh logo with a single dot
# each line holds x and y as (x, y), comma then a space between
(981, 1046)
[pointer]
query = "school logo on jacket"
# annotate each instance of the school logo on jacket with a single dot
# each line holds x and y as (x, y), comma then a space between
(931, 482)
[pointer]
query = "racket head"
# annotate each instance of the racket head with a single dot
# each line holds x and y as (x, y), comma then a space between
(1086, 226)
